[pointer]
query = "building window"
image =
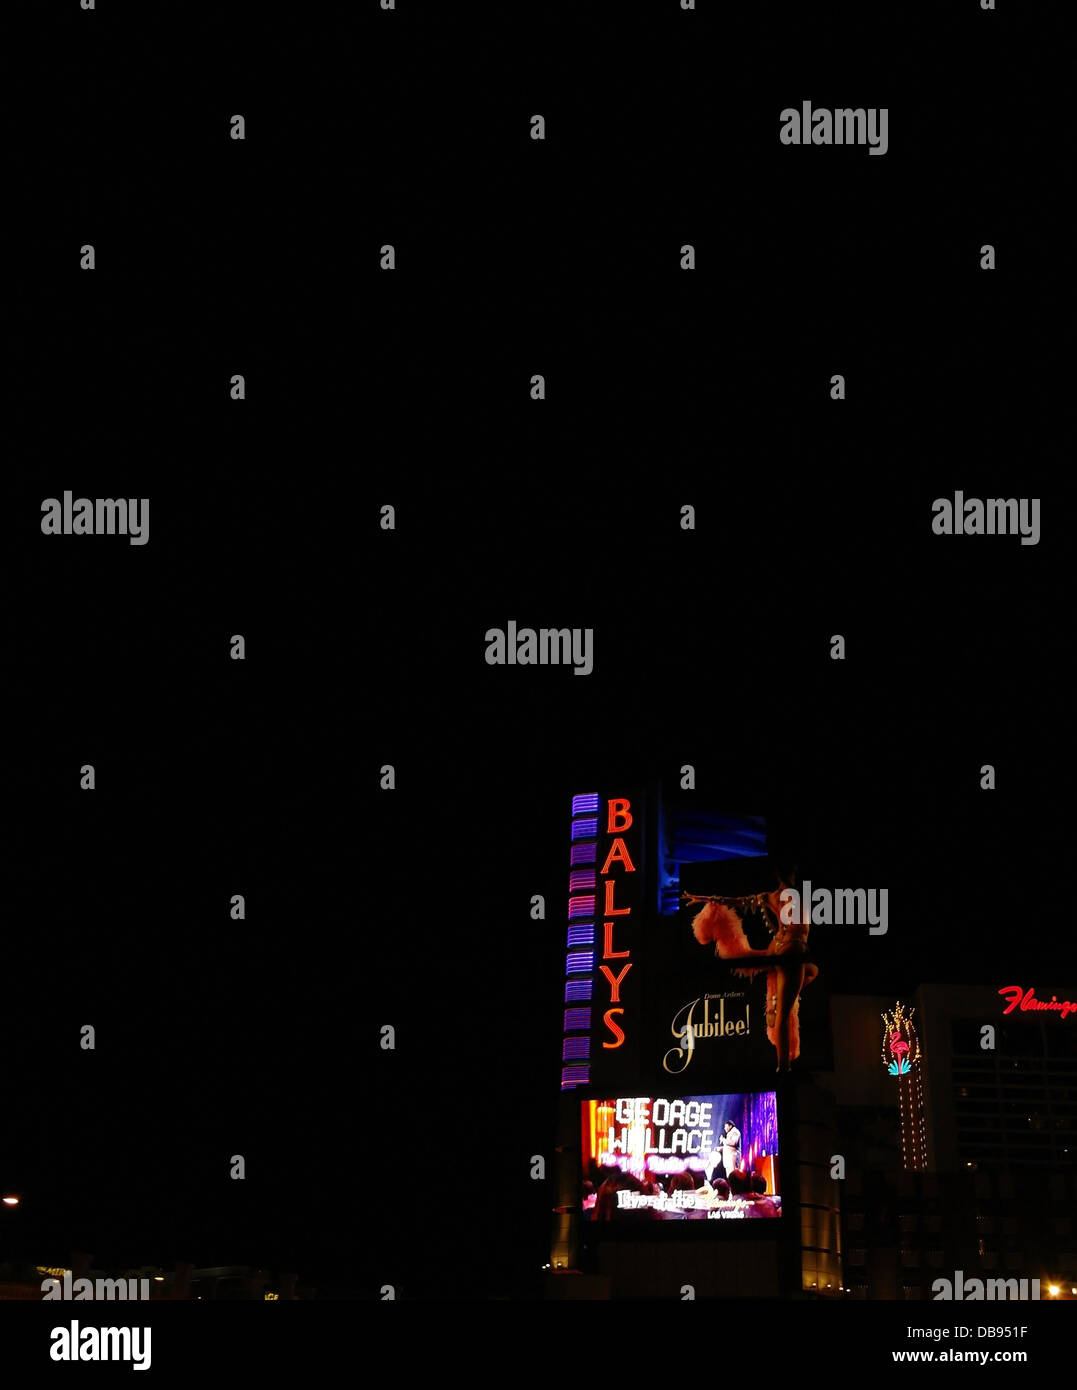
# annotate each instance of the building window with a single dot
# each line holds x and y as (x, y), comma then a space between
(934, 1259)
(911, 1291)
(910, 1258)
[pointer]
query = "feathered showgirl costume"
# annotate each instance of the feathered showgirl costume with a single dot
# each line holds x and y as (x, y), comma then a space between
(719, 923)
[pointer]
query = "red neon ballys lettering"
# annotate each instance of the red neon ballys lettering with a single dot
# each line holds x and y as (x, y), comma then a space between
(618, 820)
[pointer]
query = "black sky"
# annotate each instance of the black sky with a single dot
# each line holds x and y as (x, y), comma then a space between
(364, 648)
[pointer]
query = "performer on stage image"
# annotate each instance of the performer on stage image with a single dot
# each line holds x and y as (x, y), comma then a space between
(730, 1148)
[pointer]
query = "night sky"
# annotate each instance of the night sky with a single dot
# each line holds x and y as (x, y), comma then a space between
(664, 388)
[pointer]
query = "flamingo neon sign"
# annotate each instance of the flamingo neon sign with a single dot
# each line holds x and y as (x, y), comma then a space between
(901, 1047)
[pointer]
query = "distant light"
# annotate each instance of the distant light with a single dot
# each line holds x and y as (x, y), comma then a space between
(1053, 1290)
(158, 1278)
(11, 1201)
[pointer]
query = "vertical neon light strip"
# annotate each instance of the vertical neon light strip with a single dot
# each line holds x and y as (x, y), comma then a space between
(579, 965)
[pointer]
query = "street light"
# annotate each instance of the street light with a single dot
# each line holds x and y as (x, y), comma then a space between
(11, 1201)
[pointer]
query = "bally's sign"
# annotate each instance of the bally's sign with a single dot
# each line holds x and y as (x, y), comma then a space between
(601, 1020)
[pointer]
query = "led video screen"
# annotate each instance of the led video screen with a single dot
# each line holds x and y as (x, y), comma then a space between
(683, 1158)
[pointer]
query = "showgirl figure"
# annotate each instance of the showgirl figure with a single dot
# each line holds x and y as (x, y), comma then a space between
(787, 966)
